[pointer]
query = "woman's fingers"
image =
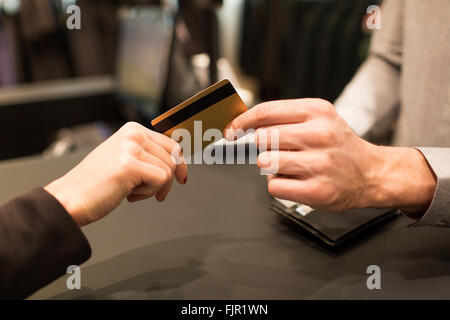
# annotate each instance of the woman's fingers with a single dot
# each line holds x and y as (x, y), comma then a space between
(159, 152)
(174, 150)
(154, 176)
(136, 197)
(164, 191)
(162, 186)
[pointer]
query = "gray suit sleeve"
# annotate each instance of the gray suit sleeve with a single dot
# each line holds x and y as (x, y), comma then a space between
(438, 214)
(370, 102)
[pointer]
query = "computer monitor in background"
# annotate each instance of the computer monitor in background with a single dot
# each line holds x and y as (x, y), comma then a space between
(143, 59)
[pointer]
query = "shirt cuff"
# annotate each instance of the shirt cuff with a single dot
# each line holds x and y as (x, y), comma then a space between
(438, 214)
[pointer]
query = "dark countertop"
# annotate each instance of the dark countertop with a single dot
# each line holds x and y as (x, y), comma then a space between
(216, 238)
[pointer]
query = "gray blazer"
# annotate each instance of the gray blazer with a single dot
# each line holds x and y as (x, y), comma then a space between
(406, 81)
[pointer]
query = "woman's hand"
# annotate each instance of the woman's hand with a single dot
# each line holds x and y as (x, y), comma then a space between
(134, 163)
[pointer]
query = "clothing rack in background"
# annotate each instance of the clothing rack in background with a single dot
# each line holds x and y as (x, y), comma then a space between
(303, 48)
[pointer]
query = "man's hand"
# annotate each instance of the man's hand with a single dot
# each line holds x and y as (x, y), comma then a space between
(324, 164)
(135, 162)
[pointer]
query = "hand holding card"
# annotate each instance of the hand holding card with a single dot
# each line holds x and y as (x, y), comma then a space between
(211, 109)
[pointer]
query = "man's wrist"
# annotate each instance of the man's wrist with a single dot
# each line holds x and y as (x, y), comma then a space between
(399, 178)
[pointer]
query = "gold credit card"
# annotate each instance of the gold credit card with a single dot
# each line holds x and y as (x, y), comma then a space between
(215, 107)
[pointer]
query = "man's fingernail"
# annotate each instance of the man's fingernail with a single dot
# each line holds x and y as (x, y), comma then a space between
(264, 159)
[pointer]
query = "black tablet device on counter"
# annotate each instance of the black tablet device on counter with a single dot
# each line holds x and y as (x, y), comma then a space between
(333, 228)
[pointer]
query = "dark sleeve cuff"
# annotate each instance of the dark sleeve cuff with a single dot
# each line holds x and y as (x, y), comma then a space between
(38, 241)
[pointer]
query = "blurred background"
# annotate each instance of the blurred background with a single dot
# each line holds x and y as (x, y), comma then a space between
(63, 90)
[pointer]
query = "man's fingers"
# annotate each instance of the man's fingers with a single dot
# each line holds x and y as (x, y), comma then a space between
(287, 162)
(291, 189)
(280, 137)
(312, 134)
(272, 113)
